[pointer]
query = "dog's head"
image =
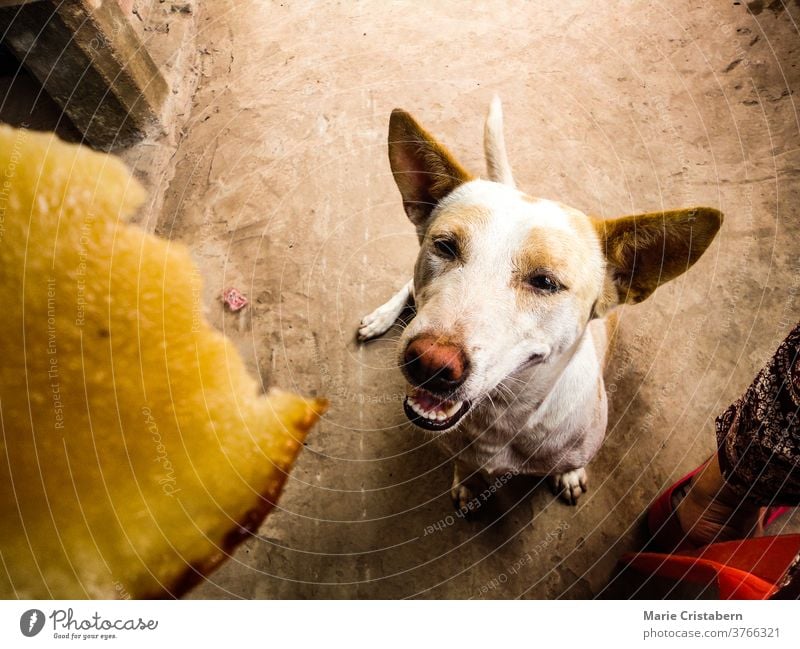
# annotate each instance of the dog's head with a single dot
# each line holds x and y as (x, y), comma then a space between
(505, 282)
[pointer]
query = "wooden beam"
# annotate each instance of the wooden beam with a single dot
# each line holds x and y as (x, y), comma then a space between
(88, 58)
(15, 3)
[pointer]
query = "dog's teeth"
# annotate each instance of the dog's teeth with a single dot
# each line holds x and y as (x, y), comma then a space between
(438, 413)
(417, 408)
(453, 409)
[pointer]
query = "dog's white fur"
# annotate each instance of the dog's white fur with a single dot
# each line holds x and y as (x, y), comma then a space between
(536, 361)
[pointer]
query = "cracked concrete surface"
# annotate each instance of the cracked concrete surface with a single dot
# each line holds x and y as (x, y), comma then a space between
(282, 188)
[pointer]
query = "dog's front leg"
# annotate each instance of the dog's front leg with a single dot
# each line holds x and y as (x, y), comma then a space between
(468, 485)
(570, 485)
(381, 319)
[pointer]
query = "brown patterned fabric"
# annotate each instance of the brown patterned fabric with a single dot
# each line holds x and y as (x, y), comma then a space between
(758, 436)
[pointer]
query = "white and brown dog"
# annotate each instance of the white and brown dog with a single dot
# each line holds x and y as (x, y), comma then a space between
(505, 353)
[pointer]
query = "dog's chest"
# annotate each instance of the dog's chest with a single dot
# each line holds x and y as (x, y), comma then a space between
(498, 448)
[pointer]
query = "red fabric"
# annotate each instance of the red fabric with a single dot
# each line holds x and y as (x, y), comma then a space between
(747, 569)
(665, 529)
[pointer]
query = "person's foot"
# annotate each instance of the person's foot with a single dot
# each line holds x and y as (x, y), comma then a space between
(709, 510)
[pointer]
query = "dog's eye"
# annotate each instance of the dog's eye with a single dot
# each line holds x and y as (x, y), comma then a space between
(446, 248)
(544, 283)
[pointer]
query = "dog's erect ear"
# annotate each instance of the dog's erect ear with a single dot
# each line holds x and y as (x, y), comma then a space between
(646, 250)
(425, 172)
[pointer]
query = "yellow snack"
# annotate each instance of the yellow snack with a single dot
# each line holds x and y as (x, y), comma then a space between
(136, 449)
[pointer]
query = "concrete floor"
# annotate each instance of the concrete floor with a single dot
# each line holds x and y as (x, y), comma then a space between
(281, 186)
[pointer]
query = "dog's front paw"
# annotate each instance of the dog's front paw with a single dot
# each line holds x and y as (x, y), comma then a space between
(570, 485)
(465, 493)
(376, 323)
(465, 497)
(381, 319)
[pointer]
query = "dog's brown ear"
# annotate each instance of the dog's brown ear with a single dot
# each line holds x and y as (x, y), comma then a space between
(425, 172)
(646, 250)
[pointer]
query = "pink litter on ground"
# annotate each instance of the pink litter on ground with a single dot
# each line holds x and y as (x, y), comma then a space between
(234, 299)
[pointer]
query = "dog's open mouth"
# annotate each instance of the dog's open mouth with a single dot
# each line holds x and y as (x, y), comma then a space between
(430, 412)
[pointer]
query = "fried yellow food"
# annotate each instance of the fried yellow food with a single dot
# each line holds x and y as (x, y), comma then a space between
(136, 449)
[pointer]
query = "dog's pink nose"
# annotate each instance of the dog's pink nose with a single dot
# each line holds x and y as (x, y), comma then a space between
(434, 364)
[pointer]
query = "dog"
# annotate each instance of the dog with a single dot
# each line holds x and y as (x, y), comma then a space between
(504, 356)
